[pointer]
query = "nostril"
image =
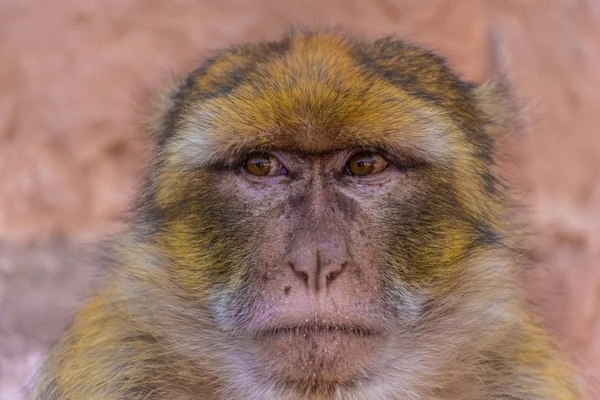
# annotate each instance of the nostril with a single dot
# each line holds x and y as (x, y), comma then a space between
(303, 276)
(332, 276)
(335, 273)
(300, 274)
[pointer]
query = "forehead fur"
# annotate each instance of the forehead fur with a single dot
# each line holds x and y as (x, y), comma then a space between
(319, 92)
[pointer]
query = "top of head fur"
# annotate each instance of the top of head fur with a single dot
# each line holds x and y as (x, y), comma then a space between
(307, 89)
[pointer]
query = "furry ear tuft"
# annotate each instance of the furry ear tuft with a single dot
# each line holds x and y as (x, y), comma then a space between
(495, 100)
(495, 97)
(157, 104)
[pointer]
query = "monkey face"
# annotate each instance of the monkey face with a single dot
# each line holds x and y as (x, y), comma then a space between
(322, 199)
(312, 292)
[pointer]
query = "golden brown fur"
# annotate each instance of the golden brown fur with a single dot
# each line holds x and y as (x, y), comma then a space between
(314, 283)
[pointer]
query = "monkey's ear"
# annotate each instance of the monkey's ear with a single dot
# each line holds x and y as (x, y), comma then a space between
(156, 105)
(495, 100)
(496, 97)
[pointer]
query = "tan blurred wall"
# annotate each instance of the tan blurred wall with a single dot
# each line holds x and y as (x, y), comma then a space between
(73, 74)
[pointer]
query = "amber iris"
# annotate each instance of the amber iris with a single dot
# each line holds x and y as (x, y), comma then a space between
(365, 163)
(262, 165)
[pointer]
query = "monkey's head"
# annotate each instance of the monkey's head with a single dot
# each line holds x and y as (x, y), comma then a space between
(328, 207)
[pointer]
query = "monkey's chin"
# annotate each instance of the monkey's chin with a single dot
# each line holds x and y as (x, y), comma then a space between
(319, 355)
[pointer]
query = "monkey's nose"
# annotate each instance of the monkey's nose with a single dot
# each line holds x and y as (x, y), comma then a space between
(318, 266)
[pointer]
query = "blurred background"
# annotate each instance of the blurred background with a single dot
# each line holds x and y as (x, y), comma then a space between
(74, 76)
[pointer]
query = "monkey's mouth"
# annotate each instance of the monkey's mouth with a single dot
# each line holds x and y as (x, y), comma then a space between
(319, 329)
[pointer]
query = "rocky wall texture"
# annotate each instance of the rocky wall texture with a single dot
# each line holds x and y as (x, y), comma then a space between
(75, 74)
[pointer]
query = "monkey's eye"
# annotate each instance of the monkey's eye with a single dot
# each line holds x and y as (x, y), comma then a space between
(263, 165)
(365, 163)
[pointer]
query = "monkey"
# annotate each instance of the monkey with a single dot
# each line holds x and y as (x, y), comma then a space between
(322, 219)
